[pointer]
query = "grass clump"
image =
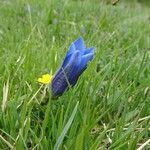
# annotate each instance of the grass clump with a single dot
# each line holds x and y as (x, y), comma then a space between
(109, 106)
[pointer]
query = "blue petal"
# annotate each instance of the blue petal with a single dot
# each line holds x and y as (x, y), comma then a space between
(89, 50)
(66, 60)
(75, 67)
(79, 44)
(71, 49)
(85, 59)
(64, 75)
(88, 57)
(79, 67)
(59, 83)
(76, 45)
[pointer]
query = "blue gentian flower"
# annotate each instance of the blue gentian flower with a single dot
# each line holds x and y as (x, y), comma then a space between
(72, 67)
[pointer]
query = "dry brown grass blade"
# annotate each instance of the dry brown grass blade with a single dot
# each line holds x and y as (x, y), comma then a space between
(114, 2)
(6, 142)
(5, 95)
(144, 144)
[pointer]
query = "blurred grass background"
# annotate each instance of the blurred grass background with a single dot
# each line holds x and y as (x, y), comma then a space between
(109, 106)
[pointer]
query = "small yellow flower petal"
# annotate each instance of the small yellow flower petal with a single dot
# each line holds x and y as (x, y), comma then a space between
(39, 79)
(45, 79)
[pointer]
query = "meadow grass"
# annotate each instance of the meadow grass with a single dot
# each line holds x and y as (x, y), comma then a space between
(108, 108)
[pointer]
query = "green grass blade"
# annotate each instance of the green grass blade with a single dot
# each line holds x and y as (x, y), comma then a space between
(66, 128)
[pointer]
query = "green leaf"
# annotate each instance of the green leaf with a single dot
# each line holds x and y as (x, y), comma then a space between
(66, 128)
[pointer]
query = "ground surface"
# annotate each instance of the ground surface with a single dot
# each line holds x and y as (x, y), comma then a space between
(109, 106)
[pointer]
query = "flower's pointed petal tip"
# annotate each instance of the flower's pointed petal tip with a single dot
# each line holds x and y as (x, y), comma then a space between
(79, 44)
(88, 57)
(71, 49)
(85, 59)
(89, 50)
(79, 39)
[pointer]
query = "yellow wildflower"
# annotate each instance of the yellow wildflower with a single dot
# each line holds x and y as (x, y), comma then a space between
(45, 79)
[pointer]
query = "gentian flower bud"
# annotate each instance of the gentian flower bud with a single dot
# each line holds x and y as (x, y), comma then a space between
(72, 67)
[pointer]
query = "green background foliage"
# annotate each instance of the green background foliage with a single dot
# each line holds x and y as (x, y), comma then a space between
(109, 106)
